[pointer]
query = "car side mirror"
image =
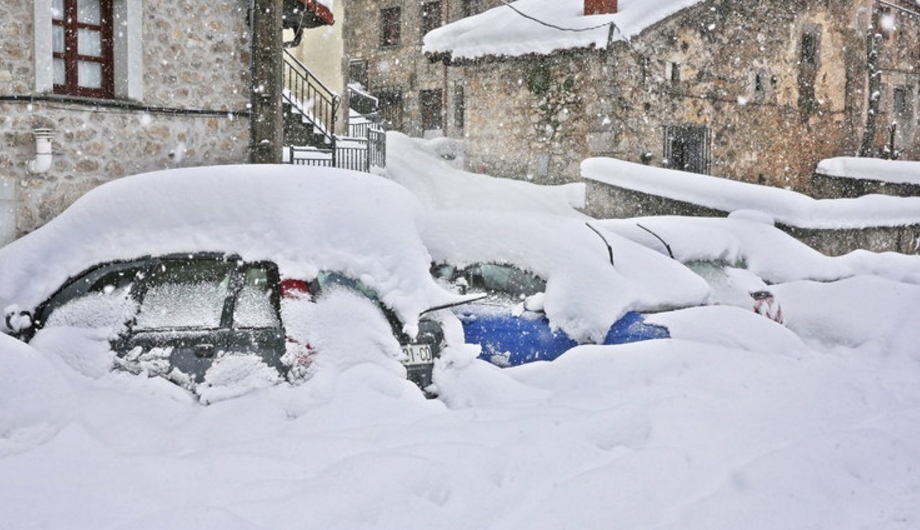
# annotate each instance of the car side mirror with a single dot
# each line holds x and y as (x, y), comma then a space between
(535, 303)
(18, 320)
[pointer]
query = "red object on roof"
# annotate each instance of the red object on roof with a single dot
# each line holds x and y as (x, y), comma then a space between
(600, 7)
(320, 11)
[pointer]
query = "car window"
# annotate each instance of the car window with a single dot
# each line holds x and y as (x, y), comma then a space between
(101, 297)
(185, 294)
(326, 280)
(496, 279)
(255, 304)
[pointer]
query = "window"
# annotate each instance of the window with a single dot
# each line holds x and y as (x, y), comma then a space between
(901, 103)
(81, 45)
(431, 16)
(675, 72)
(256, 303)
(430, 101)
(104, 297)
(390, 108)
(809, 53)
(186, 294)
(390, 21)
(123, 59)
(357, 72)
(686, 148)
(459, 107)
(472, 7)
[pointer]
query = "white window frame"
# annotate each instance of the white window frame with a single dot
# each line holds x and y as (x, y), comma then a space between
(127, 49)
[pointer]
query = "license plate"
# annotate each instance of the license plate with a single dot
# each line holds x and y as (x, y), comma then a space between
(417, 354)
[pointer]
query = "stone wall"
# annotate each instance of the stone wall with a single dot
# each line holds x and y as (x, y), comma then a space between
(731, 67)
(402, 67)
(193, 109)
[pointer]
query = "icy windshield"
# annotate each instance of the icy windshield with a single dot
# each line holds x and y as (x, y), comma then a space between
(494, 279)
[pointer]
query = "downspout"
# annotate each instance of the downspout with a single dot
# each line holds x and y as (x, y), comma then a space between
(875, 85)
(43, 160)
(445, 19)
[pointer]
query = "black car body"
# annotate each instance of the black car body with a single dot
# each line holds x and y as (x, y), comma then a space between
(176, 315)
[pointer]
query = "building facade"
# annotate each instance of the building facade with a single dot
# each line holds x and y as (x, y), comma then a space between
(752, 91)
(383, 54)
(92, 90)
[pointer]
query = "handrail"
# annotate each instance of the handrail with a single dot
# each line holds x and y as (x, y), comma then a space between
(296, 61)
(310, 96)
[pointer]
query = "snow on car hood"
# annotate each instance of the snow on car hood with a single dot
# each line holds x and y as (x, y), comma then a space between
(585, 295)
(303, 219)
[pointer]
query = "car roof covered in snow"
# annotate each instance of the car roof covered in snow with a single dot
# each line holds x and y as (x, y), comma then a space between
(303, 219)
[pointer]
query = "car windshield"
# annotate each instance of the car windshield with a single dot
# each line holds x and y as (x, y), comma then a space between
(326, 280)
(495, 279)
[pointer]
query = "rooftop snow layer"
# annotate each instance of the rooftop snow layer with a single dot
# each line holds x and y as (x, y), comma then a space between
(504, 31)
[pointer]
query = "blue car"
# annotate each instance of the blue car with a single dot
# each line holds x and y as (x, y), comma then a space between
(509, 324)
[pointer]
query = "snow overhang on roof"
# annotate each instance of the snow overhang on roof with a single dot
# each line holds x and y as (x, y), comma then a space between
(543, 27)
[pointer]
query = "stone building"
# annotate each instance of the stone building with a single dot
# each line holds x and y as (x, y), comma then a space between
(383, 54)
(118, 87)
(753, 91)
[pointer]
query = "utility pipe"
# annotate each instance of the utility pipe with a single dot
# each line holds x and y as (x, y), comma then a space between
(42, 161)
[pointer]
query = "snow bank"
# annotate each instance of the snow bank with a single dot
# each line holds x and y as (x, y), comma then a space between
(854, 312)
(507, 30)
(304, 219)
(787, 207)
(894, 171)
(438, 184)
(35, 401)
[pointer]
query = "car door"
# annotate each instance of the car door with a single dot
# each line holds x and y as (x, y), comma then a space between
(194, 311)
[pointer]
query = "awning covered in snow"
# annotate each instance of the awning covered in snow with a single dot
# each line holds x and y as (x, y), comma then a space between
(305, 14)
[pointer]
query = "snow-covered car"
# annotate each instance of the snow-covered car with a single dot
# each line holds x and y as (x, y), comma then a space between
(509, 322)
(193, 274)
(732, 255)
(550, 283)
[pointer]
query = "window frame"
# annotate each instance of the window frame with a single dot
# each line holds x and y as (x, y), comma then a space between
(432, 15)
(128, 51)
(431, 109)
(390, 26)
(71, 26)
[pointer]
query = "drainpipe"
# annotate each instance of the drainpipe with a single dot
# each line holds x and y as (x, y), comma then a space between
(42, 161)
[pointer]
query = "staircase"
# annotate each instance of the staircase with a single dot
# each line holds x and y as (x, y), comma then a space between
(310, 111)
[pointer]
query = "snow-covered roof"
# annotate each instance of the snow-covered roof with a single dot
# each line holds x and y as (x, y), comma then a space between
(304, 219)
(507, 31)
(893, 171)
(784, 206)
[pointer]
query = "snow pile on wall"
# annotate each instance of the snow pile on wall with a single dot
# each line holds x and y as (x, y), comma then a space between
(786, 207)
(894, 171)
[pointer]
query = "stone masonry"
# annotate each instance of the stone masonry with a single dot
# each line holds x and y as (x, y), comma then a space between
(193, 109)
(729, 68)
(759, 91)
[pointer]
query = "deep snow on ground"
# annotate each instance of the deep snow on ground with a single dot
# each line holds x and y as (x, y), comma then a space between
(736, 422)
